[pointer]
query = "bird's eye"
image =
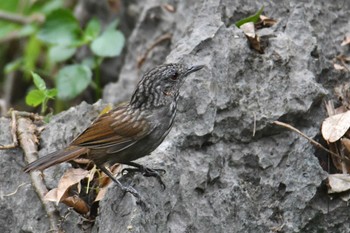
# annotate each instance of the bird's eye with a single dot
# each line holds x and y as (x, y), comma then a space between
(174, 76)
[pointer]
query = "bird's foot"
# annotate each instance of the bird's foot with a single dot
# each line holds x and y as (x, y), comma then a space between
(148, 172)
(139, 200)
(125, 189)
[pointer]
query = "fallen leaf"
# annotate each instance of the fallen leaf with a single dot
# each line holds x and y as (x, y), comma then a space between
(338, 183)
(343, 94)
(163, 38)
(334, 127)
(51, 195)
(343, 58)
(339, 67)
(346, 143)
(71, 177)
(83, 161)
(101, 194)
(77, 203)
(346, 41)
(253, 38)
(265, 22)
(169, 8)
(104, 181)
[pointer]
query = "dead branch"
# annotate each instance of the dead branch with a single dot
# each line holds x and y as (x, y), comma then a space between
(28, 141)
(20, 19)
(307, 137)
(14, 143)
(159, 40)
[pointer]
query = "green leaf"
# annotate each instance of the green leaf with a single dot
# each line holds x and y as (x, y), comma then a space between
(60, 28)
(72, 80)
(253, 18)
(35, 97)
(92, 30)
(61, 53)
(9, 5)
(51, 93)
(52, 5)
(109, 44)
(113, 25)
(39, 82)
(89, 62)
(14, 65)
(27, 30)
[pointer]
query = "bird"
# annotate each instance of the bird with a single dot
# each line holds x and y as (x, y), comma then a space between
(130, 131)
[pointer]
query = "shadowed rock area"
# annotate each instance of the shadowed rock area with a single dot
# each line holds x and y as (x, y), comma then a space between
(220, 178)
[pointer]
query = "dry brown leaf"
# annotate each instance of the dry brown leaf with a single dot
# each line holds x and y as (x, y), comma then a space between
(266, 21)
(339, 67)
(86, 163)
(77, 203)
(248, 29)
(342, 58)
(253, 38)
(101, 193)
(104, 181)
(169, 8)
(338, 183)
(343, 94)
(346, 143)
(346, 41)
(71, 177)
(51, 195)
(334, 127)
(337, 161)
(141, 59)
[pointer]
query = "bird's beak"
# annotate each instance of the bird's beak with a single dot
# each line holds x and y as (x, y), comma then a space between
(193, 69)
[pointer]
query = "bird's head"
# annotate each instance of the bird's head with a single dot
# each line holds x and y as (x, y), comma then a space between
(161, 84)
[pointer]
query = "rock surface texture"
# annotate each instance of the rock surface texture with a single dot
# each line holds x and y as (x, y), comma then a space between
(220, 178)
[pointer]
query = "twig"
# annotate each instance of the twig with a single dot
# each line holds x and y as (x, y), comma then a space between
(14, 192)
(14, 35)
(14, 143)
(342, 60)
(28, 142)
(308, 138)
(20, 19)
(160, 39)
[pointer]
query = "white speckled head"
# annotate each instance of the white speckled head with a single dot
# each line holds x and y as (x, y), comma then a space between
(161, 85)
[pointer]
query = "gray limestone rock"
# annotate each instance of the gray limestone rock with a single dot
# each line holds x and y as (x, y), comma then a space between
(220, 177)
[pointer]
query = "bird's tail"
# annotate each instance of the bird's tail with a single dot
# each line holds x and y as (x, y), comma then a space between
(55, 158)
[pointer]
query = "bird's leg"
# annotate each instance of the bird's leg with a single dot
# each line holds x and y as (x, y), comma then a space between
(145, 171)
(124, 188)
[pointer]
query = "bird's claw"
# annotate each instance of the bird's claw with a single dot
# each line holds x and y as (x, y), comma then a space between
(138, 197)
(148, 172)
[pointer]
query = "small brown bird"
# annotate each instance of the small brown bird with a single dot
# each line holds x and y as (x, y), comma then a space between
(128, 132)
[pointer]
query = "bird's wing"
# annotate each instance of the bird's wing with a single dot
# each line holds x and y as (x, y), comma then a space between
(116, 130)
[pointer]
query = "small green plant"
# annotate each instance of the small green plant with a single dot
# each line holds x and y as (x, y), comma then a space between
(41, 94)
(253, 18)
(48, 47)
